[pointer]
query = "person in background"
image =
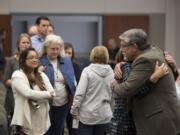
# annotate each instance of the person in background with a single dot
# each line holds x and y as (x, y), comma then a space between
(92, 100)
(60, 72)
(42, 24)
(3, 114)
(159, 108)
(69, 50)
(2, 59)
(50, 29)
(177, 83)
(172, 64)
(2, 38)
(31, 90)
(32, 30)
(112, 49)
(12, 64)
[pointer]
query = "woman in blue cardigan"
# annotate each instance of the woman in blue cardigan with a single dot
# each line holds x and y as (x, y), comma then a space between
(60, 72)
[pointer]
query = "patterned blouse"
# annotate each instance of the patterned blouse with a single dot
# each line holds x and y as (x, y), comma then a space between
(122, 122)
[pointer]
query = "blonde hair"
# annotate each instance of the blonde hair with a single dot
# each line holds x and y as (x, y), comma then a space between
(99, 54)
(17, 51)
(53, 39)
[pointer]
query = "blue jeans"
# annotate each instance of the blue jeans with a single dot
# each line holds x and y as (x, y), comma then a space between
(99, 129)
(58, 116)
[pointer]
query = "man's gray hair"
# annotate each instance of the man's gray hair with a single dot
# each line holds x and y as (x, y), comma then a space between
(135, 36)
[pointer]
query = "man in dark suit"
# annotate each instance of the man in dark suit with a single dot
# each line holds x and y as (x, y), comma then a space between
(158, 111)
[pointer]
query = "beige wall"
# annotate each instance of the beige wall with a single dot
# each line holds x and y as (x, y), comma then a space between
(172, 29)
(4, 7)
(83, 6)
(157, 30)
(177, 34)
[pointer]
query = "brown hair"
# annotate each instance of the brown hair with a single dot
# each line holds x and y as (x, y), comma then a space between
(22, 65)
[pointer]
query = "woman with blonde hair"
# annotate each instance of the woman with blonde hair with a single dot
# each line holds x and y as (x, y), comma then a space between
(12, 64)
(92, 99)
(60, 72)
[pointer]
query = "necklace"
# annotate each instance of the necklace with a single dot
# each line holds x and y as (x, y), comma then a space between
(56, 71)
(55, 67)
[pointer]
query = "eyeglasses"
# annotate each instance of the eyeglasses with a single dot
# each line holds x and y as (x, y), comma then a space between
(125, 45)
(31, 58)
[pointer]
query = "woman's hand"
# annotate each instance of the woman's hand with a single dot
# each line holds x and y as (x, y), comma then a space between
(117, 70)
(8, 82)
(41, 68)
(159, 71)
(52, 94)
(113, 83)
(170, 60)
(75, 116)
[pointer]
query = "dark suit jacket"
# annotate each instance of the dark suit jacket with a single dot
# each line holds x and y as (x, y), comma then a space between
(157, 112)
(3, 116)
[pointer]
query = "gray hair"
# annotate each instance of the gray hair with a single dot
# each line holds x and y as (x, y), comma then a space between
(53, 39)
(135, 36)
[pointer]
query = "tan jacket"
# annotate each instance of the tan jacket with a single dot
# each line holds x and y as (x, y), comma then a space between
(158, 112)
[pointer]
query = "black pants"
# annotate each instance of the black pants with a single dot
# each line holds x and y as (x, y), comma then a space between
(98, 129)
(72, 131)
(58, 116)
(17, 130)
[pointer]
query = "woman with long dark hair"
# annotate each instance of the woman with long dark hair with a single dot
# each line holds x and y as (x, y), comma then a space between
(31, 90)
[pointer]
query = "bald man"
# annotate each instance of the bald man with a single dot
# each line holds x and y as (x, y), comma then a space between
(32, 30)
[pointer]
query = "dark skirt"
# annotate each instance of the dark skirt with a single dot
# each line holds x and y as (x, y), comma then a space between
(122, 122)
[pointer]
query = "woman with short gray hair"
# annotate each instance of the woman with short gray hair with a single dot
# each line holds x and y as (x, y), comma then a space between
(60, 72)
